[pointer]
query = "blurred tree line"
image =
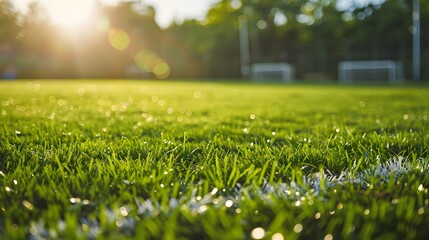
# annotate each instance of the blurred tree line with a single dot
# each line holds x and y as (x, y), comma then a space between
(312, 35)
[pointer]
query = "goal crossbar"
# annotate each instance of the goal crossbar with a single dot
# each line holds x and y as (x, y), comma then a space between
(260, 70)
(346, 69)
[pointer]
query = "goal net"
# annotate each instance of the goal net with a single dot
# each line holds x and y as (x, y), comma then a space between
(371, 70)
(272, 71)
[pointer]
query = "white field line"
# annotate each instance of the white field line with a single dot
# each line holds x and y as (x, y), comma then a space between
(311, 186)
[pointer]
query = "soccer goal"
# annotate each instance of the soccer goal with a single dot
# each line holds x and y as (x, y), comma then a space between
(371, 70)
(272, 71)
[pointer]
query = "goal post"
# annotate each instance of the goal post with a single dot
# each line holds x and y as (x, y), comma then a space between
(370, 70)
(272, 71)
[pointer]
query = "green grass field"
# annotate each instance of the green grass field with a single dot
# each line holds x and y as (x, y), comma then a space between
(187, 160)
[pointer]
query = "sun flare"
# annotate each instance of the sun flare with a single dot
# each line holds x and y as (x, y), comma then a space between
(69, 13)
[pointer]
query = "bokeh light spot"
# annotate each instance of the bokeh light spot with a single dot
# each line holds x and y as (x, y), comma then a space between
(146, 59)
(277, 236)
(329, 237)
(161, 69)
(298, 228)
(258, 233)
(119, 39)
(103, 24)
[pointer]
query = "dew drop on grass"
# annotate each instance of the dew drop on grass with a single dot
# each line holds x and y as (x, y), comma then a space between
(1, 173)
(214, 191)
(17, 132)
(62, 102)
(33, 229)
(202, 208)
(317, 215)
(85, 227)
(28, 205)
(123, 211)
(277, 236)
(119, 223)
(366, 211)
(298, 228)
(75, 200)
(8, 189)
(252, 116)
(197, 94)
(328, 237)
(161, 103)
(258, 233)
(81, 91)
(229, 203)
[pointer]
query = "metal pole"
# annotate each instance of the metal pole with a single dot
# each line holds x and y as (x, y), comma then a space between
(416, 40)
(244, 46)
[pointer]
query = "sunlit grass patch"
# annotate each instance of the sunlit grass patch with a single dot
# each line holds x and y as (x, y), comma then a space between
(202, 160)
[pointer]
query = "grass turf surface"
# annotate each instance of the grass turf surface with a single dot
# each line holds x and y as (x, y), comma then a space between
(182, 160)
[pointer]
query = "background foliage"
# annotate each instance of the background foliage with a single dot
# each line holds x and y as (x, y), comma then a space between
(311, 35)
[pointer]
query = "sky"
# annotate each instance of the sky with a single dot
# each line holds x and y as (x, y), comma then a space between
(166, 10)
